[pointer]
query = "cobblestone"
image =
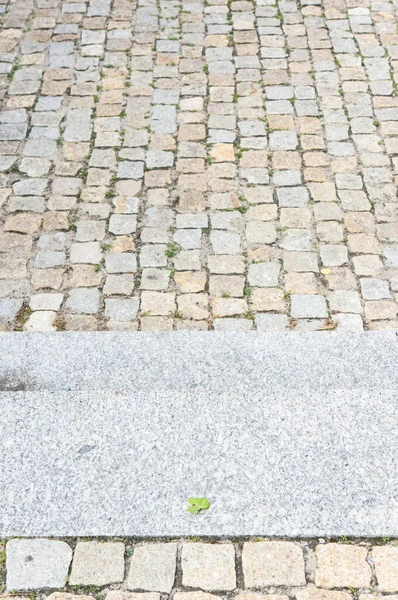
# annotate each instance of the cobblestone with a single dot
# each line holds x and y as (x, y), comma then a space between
(97, 564)
(342, 566)
(272, 563)
(250, 569)
(173, 142)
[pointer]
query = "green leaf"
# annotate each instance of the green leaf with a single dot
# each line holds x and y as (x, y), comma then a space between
(198, 504)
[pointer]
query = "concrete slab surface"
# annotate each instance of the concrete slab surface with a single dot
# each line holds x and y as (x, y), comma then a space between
(232, 362)
(277, 463)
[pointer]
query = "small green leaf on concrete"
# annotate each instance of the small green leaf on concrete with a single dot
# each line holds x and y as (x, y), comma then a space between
(198, 504)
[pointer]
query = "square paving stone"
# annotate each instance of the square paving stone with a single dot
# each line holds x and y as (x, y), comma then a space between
(283, 140)
(264, 274)
(292, 197)
(121, 310)
(130, 170)
(273, 322)
(341, 565)
(96, 563)
(125, 262)
(83, 301)
(121, 285)
(386, 565)
(273, 563)
(9, 308)
(122, 224)
(308, 306)
(333, 255)
(159, 159)
(345, 301)
(85, 252)
(348, 322)
(208, 566)
(153, 567)
(38, 563)
(374, 289)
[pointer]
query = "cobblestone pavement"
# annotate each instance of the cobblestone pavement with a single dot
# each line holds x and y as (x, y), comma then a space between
(198, 164)
(188, 570)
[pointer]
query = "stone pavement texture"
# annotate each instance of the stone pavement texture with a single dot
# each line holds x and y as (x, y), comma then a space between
(287, 433)
(233, 363)
(203, 164)
(187, 569)
(272, 461)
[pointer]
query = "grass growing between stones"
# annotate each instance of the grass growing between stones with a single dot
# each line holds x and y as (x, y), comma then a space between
(2, 565)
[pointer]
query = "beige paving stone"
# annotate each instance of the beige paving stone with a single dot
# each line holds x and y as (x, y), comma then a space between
(228, 307)
(96, 563)
(313, 593)
(208, 566)
(223, 152)
(23, 223)
(153, 567)
(190, 281)
(342, 565)
(269, 299)
(386, 566)
(272, 564)
(193, 306)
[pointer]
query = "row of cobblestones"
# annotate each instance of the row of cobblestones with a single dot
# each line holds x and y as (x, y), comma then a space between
(198, 164)
(305, 570)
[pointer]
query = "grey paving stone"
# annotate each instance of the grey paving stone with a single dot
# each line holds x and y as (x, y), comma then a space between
(348, 322)
(121, 263)
(118, 285)
(50, 302)
(14, 131)
(155, 279)
(9, 308)
(83, 301)
(333, 255)
(122, 224)
(121, 310)
(40, 148)
(227, 324)
(224, 242)
(41, 320)
(85, 252)
(153, 255)
(30, 187)
(283, 140)
(49, 258)
(159, 159)
(36, 564)
(271, 322)
(308, 306)
(345, 301)
(292, 197)
(264, 274)
(374, 289)
(88, 231)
